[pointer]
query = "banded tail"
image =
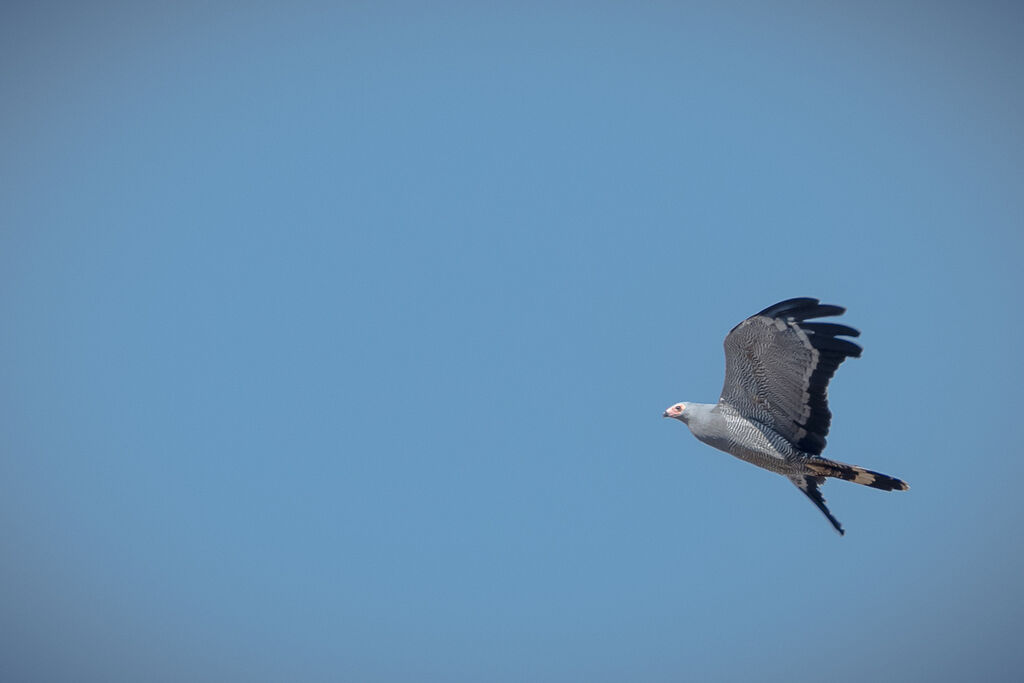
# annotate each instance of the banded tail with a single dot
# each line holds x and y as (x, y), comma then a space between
(858, 475)
(821, 468)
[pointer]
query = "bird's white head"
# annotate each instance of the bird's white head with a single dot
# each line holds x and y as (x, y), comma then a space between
(678, 411)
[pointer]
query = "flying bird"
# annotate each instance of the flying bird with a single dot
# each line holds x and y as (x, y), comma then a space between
(773, 411)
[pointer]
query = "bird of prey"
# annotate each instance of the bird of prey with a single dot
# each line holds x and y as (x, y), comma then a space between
(773, 411)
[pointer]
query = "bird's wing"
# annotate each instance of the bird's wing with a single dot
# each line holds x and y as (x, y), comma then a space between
(777, 369)
(810, 485)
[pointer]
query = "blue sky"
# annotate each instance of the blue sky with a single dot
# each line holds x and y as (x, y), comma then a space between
(336, 339)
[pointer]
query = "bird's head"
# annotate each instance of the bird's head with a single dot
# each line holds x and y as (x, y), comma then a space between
(678, 411)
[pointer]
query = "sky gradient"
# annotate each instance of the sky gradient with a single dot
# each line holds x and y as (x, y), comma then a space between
(337, 336)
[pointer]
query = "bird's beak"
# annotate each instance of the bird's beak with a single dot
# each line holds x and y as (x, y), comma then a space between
(665, 414)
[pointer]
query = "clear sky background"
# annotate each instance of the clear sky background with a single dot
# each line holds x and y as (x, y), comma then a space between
(336, 338)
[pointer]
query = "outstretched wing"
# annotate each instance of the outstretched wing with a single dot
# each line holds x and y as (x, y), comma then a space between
(777, 369)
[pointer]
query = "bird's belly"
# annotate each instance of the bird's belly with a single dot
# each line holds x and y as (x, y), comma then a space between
(746, 442)
(769, 460)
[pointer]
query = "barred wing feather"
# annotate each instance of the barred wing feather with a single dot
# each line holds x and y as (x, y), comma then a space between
(777, 369)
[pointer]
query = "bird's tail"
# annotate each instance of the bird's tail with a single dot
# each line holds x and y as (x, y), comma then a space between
(858, 475)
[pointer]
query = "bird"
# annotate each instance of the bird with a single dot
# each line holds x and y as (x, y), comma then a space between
(773, 411)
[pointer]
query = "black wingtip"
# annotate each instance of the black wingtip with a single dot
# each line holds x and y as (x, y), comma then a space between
(802, 308)
(842, 347)
(835, 522)
(830, 329)
(789, 305)
(809, 486)
(819, 311)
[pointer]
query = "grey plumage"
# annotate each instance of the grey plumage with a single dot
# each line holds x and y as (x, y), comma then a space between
(773, 411)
